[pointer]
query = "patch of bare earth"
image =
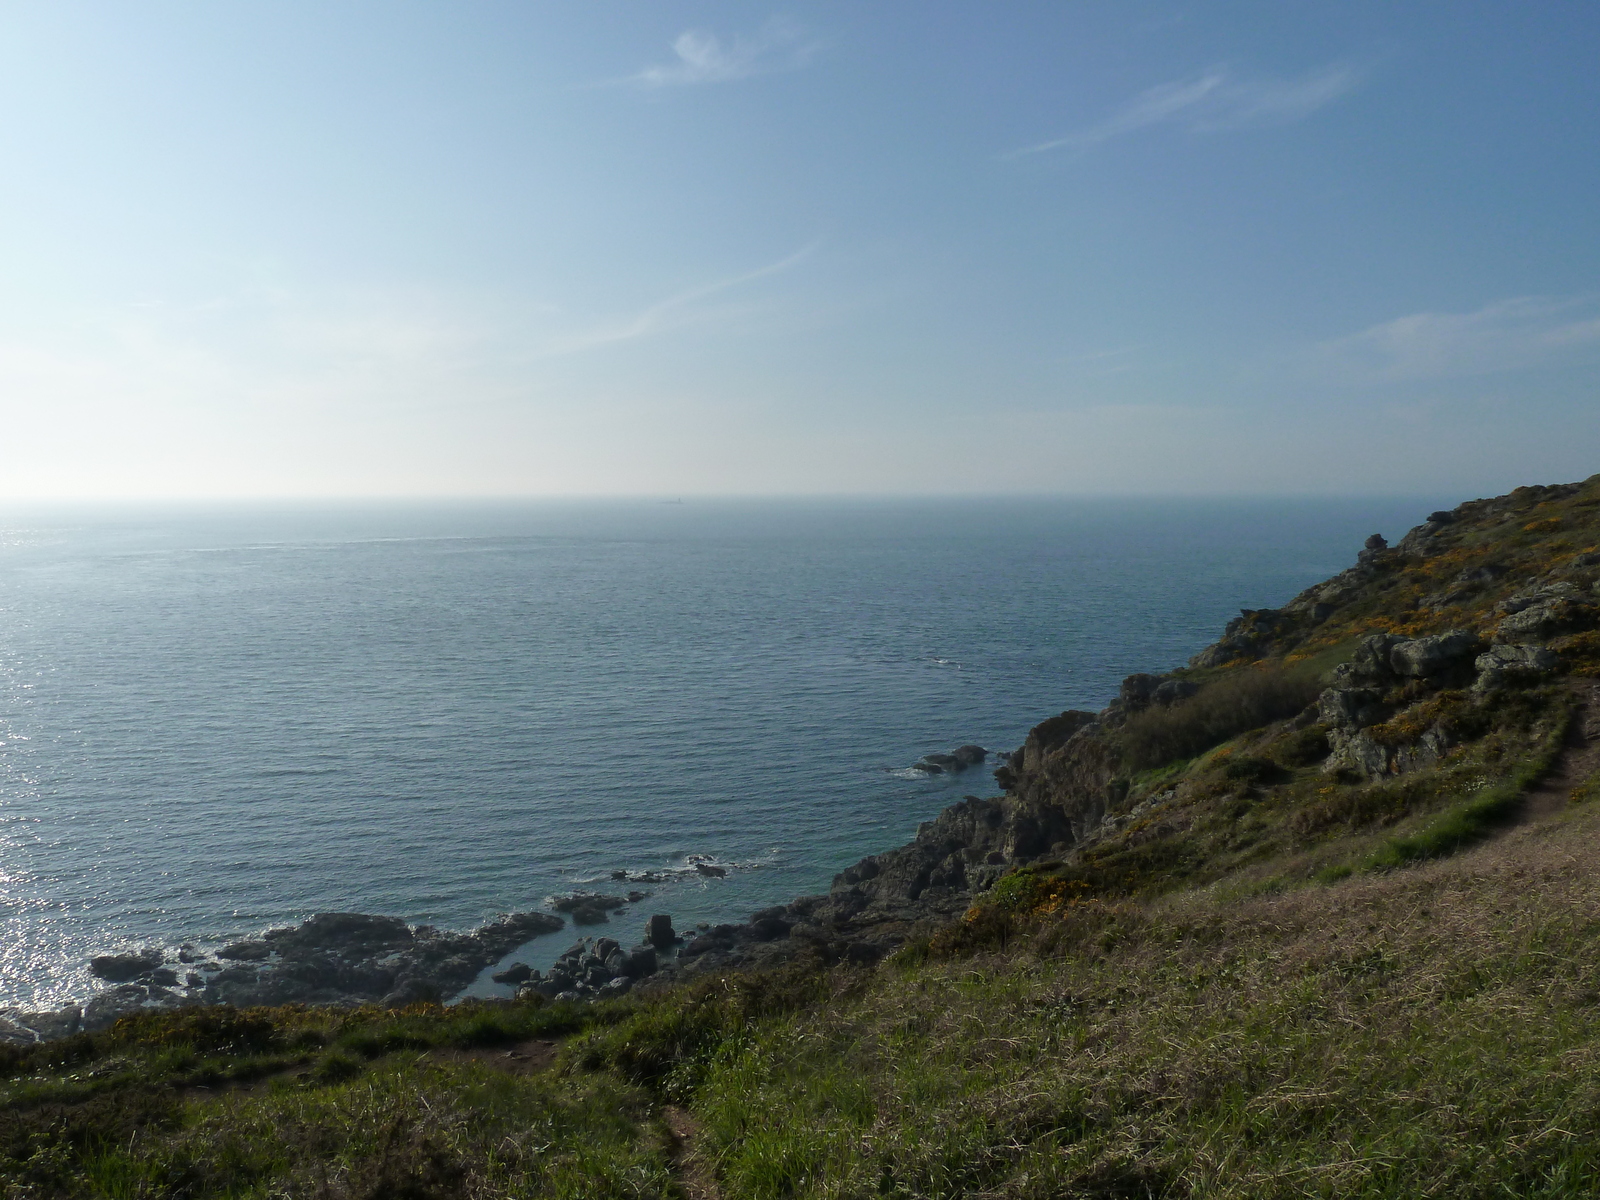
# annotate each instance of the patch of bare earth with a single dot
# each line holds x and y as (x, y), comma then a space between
(1579, 759)
(693, 1172)
(524, 1058)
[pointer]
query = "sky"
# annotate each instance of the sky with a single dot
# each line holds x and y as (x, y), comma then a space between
(619, 247)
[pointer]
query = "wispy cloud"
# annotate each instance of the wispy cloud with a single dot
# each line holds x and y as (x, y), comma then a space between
(677, 309)
(702, 57)
(1210, 102)
(1515, 334)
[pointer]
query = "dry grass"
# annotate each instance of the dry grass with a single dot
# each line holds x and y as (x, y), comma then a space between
(1432, 1031)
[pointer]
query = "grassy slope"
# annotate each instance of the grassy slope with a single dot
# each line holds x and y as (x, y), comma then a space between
(1267, 982)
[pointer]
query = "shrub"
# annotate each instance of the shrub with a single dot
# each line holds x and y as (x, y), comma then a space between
(1242, 700)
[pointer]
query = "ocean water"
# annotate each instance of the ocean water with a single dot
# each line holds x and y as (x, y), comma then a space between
(217, 721)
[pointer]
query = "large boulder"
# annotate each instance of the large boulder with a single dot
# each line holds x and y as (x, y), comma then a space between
(1433, 655)
(658, 932)
(1505, 664)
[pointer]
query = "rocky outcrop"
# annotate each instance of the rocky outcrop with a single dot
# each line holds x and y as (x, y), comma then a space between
(332, 958)
(956, 761)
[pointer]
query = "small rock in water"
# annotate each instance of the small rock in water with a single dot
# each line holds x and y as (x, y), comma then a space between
(710, 871)
(573, 901)
(969, 755)
(516, 973)
(659, 931)
(589, 914)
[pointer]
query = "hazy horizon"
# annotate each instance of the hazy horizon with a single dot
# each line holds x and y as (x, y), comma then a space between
(702, 249)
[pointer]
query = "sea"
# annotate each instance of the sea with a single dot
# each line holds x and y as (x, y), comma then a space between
(215, 720)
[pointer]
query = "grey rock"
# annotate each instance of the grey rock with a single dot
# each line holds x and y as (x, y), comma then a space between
(1502, 665)
(659, 931)
(119, 968)
(969, 755)
(710, 871)
(127, 1000)
(54, 1023)
(1171, 691)
(251, 951)
(573, 901)
(1433, 655)
(642, 961)
(612, 988)
(1350, 708)
(518, 972)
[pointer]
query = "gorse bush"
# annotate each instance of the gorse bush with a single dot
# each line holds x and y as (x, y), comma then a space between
(1243, 700)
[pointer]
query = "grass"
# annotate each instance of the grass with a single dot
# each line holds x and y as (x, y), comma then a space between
(1434, 1034)
(1238, 701)
(1479, 814)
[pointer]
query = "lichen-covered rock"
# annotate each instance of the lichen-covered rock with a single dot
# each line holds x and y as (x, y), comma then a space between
(1433, 655)
(1502, 665)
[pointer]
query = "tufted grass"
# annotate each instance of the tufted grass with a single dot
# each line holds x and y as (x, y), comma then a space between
(1430, 1032)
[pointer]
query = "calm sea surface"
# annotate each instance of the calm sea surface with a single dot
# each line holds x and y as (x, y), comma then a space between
(214, 722)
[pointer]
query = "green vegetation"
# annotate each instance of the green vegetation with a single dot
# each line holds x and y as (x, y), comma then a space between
(1236, 702)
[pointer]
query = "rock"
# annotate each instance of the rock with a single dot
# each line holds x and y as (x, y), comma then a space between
(251, 951)
(119, 968)
(769, 928)
(612, 988)
(710, 871)
(348, 933)
(1136, 690)
(659, 931)
(573, 901)
(13, 1033)
(413, 990)
(1170, 691)
(604, 947)
(1505, 664)
(969, 755)
(570, 996)
(1426, 656)
(518, 972)
(635, 897)
(163, 976)
(589, 914)
(127, 1000)
(57, 1023)
(1351, 708)
(935, 763)
(927, 768)
(642, 961)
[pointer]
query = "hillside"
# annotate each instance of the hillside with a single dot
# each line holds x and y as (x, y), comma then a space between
(1316, 915)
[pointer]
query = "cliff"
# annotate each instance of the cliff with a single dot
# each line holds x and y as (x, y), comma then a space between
(1427, 675)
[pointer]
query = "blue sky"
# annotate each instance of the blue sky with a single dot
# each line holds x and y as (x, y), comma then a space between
(298, 249)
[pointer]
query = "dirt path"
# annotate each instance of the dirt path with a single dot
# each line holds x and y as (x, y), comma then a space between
(1579, 759)
(694, 1174)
